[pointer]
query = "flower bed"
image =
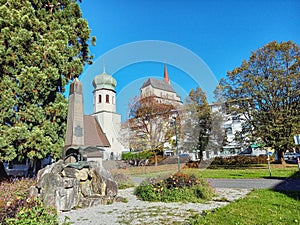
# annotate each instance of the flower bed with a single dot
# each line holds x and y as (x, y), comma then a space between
(179, 187)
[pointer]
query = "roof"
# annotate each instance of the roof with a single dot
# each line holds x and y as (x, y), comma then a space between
(93, 134)
(104, 81)
(158, 84)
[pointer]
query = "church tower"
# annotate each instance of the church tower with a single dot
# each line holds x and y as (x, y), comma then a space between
(105, 111)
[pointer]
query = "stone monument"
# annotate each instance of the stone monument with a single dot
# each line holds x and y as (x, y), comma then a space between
(75, 123)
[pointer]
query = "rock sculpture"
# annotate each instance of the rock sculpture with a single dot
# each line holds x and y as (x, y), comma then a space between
(73, 185)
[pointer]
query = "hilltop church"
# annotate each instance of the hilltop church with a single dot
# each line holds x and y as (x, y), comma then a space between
(162, 90)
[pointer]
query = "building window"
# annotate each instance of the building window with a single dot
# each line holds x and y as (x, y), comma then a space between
(99, 99)
(113, 100)
(107, 98)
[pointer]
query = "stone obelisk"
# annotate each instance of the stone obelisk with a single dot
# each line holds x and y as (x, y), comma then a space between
(75, 124)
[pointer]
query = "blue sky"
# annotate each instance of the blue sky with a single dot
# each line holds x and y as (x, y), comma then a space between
(220, 33)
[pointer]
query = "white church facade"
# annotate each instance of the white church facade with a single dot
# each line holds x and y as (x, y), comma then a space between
(104, 95)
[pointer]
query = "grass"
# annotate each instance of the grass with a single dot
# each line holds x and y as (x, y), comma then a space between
(247, 173)
(259, 207)
(148, 171)
(253, 171)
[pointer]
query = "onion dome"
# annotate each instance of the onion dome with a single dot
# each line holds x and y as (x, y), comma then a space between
(104, 81)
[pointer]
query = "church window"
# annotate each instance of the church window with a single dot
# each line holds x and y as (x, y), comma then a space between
(107, 98)
(113, 99)
(99, 98)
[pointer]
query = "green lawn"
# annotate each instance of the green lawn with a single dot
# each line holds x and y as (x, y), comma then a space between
(259, 207)
(258, 171)
(247, 173)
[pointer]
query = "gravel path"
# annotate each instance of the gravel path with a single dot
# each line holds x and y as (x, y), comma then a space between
(140, 212)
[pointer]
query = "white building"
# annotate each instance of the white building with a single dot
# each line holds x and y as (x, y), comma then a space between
(162, 90)
(105, 113)
(231, 125)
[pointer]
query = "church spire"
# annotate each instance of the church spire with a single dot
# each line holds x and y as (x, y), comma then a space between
(103, 66)
(166, 76)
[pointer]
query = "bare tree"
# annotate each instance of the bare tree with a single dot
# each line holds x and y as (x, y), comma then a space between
(149, 124)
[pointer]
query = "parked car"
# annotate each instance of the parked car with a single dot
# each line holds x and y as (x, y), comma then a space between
(291, 157)
(184, 155)
(17, 169)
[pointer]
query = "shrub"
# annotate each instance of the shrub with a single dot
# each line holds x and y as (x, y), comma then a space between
(17, 208)
(35, 213)
(179, 187)
(136, 155)
(13, 195)
(238, 160)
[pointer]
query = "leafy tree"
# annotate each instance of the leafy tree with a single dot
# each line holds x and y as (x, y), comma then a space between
(217, 137)
(149, 124)
(43, 46)
(197, 122)
(266, 90)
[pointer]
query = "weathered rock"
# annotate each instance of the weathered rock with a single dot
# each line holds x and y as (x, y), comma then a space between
(80, 175)
(58, 166)
(97, 183)
(67, 198)
(33, 191)
(111, 184)
(48, 185)
(86, 189)
(111, 188)
(67, 186)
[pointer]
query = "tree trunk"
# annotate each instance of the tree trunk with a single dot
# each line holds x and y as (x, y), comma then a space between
(3, 174)
(200, 155)
(280, 157)
(155, 159)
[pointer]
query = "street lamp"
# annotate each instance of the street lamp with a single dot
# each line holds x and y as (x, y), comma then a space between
(176, 141)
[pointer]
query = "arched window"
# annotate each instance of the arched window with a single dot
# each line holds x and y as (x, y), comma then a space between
(107, 98)
(99, 99)
(113, 100)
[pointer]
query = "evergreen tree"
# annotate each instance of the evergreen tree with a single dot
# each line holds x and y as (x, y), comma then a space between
(266, 90)
(43, 46)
